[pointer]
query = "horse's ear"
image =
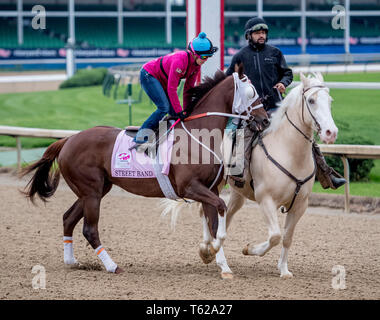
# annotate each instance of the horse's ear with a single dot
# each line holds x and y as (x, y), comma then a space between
(304, 80)
(319, 76)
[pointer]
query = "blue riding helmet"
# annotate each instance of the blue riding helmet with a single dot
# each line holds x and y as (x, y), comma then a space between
(202, 46)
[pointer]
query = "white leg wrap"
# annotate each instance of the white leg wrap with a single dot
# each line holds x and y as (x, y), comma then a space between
(68, 251)
(106, 259)
(221, 261)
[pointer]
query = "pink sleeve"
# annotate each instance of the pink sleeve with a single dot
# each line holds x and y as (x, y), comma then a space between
(173, 81)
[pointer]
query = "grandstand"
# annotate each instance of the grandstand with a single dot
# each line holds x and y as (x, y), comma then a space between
(144, 25)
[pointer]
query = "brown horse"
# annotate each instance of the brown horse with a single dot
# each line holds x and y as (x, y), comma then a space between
(84, 160)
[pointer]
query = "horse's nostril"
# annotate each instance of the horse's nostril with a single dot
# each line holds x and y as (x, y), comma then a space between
(328, 133)
(266, 122)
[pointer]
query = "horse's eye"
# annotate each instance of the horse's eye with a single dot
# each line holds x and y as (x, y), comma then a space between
(311, 101)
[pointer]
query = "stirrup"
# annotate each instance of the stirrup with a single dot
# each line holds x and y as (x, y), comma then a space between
(337, 182)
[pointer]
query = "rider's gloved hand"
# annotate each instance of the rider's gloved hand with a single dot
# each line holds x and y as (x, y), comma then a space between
(182, 115)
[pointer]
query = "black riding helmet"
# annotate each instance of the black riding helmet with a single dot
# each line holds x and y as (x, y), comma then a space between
(255, 24)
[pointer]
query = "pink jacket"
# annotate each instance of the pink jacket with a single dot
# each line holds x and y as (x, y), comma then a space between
(177, 66)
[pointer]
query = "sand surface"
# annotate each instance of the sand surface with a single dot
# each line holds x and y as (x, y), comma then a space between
(160, 264)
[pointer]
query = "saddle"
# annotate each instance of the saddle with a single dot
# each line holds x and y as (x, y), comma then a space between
(131, 131)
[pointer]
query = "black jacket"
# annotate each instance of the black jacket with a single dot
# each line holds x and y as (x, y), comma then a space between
(265, 67)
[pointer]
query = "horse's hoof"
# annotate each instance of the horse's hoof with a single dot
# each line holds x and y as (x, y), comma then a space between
(207, 257)
(227, 275)
(119, 270)
(287, 275)
(245, 250)
(212, 250)
(73, 265)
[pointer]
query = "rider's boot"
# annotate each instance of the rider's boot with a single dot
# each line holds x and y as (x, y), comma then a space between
(240, 179)
(327, 176)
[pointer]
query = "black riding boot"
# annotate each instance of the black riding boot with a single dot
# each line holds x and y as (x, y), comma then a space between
(249, 136)
(327, 176)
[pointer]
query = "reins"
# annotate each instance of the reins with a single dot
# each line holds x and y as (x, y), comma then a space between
(222, 114)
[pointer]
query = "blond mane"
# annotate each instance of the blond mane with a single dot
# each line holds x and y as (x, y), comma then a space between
(290, 100)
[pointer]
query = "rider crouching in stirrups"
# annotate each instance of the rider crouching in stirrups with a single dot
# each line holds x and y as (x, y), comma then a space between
(160, 79)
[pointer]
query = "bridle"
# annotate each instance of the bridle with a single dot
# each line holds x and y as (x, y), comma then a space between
(305, 101)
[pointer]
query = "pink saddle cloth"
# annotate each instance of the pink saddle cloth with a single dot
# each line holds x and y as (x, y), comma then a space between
(127, 163)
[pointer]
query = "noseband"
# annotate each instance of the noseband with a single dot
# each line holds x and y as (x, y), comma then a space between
(304, 99)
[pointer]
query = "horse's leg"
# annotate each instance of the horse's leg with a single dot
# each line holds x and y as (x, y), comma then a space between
(212, 244)
(70, 219)
(204, 248)
(91, 207)
(270, 215)
(235, 202)
(290, 223)
(214, 210)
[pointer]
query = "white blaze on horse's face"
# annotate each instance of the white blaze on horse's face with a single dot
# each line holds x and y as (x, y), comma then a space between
(329, 131)
(319, 102)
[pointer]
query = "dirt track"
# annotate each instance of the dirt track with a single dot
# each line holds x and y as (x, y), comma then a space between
(159, 264)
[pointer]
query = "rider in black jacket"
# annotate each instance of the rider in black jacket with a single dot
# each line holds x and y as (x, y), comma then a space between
(264, 64)
(266, 68)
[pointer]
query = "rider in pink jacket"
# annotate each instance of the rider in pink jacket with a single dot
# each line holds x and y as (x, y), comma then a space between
(160, 79)
(177, 66)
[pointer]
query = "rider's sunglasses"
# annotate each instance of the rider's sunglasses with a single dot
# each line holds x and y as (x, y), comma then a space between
(204, 57)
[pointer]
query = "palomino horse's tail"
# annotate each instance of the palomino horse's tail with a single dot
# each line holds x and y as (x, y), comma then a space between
(175, 208)
(43, 183)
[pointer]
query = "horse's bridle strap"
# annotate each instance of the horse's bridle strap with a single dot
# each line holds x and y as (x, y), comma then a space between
(307, 105)
(298, 129)
(299, 183)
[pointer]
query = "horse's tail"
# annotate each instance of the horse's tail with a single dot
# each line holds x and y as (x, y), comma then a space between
(174, 208)
(43, 183)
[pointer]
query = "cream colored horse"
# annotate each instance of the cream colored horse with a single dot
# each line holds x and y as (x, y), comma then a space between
(273, 189)
(287, 141)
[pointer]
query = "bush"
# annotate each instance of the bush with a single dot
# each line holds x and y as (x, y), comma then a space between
(85, 78)
(359, 168)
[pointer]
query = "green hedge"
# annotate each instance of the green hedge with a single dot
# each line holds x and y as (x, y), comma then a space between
(85, 78)
(359, 168)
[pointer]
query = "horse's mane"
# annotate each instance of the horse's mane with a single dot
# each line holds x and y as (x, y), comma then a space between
(290, 100)
(199, 91)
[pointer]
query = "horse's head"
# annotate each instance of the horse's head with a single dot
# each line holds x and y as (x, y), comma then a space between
(317, 100)
(247, 101)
